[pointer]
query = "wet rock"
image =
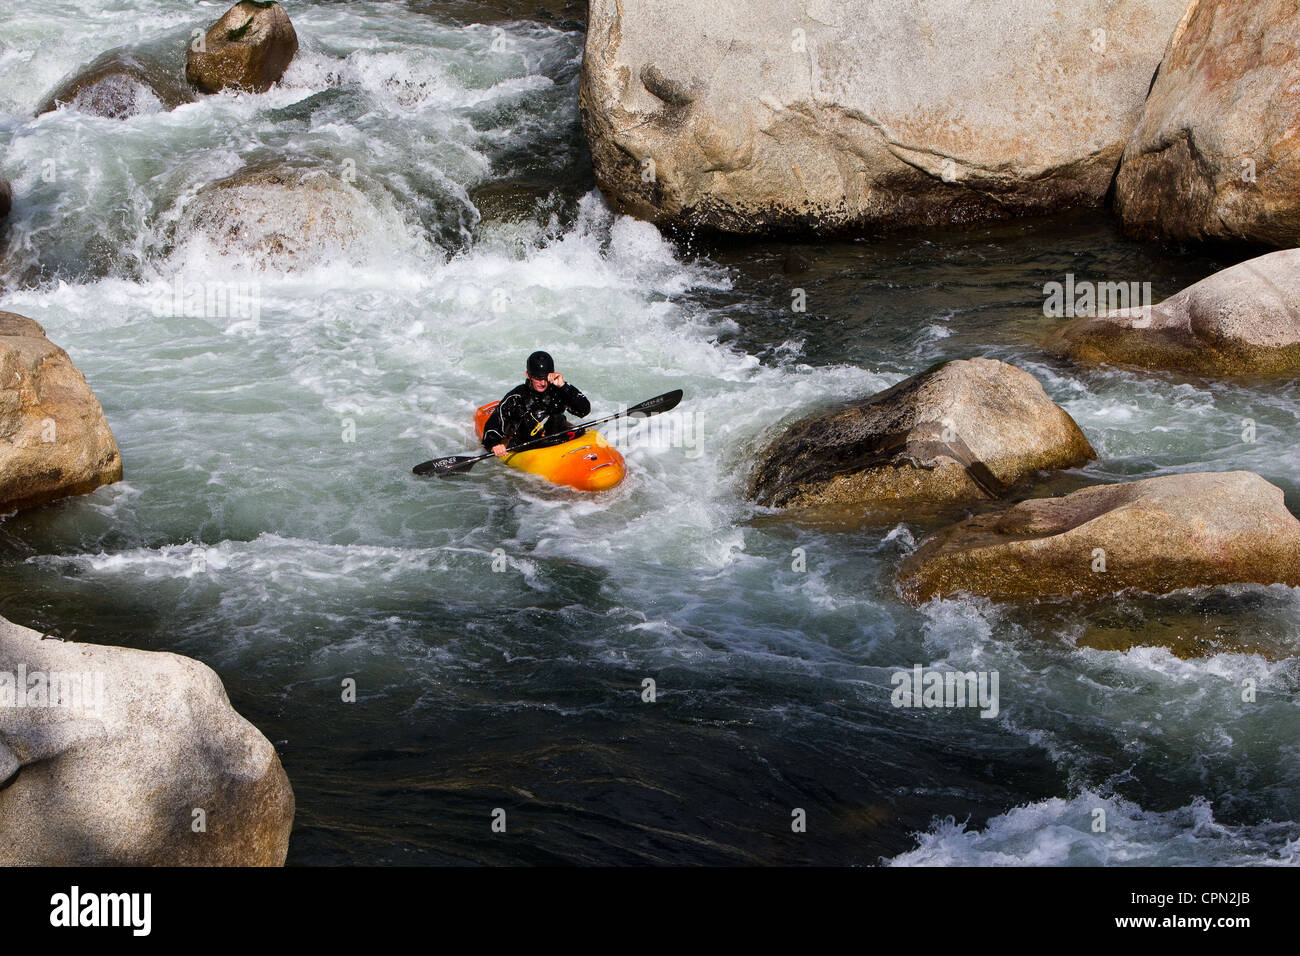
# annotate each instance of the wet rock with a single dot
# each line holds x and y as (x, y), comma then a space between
(1242, 321)
(961, 432)
(119, 84)
(111, 756)
(6, 198)
(1156, 535)
(54, 439)
(278, 216)
(795, 263)
(249, 48)
(767, 116)
(1215, 154)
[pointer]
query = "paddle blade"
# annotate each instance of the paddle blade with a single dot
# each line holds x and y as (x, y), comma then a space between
(445, 466)
(653, 406)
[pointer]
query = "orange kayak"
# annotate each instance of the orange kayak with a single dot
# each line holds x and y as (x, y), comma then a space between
(588, 463)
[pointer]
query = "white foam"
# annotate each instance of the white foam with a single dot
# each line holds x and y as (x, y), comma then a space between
(1059, 832)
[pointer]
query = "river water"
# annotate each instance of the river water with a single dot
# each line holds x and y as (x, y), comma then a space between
(499, 630)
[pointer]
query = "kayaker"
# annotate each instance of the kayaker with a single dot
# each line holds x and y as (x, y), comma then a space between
(535, 408)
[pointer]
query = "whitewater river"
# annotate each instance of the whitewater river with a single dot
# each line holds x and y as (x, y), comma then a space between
(269, 524)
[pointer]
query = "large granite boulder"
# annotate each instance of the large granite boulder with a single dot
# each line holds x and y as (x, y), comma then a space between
(1155, 535)
(755, 116)
(1216, 153)
(119, 84)
(1242, 321)
(961, 432)
(118, 757)
(54, 440)
(249, 48)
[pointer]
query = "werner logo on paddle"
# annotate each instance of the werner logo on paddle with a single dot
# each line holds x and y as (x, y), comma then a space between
(942, 688)
(75, 909)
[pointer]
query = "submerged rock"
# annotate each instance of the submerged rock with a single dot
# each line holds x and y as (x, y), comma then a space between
(960, 432)
(249, 48)
(119, 84)
(765, 116)
(1155, 535)
(1215, 154)
(54, 439)
(1244, 320)
(279, 216)
(117, 757)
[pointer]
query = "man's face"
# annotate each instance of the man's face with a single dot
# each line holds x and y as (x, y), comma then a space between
(539, 384)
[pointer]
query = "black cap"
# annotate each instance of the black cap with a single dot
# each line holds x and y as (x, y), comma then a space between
(540, 364)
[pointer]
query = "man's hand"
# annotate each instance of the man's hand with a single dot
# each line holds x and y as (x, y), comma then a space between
(499, 451)
(556, 379)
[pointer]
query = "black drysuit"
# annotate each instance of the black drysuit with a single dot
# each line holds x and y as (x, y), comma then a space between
(527, 413)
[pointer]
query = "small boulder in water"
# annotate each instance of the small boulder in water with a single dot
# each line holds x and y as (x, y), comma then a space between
(1156, 535)
(115, 756)
(278, 216)
(119, 84)
(6, 198)
(1242, 321)
(960, 432)
(249, 48)
(54, 439)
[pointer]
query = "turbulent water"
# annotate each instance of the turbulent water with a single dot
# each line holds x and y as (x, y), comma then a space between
(499, 630)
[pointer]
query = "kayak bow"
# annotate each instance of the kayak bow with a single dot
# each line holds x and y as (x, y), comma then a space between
(587, 462)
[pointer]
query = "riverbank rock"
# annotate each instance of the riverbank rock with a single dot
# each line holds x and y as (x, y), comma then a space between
(1156, 535)
(6, 198)
(961, 432)
(54, 439)
(1215, 154)
(119, 84)
(758, 116)
(113, 770)
(1244, 320)
(279, 216)
(249, 48)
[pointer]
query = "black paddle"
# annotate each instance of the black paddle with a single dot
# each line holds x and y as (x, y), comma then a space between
(458, 463)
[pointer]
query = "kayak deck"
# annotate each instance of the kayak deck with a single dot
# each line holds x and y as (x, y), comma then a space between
(587, 463)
